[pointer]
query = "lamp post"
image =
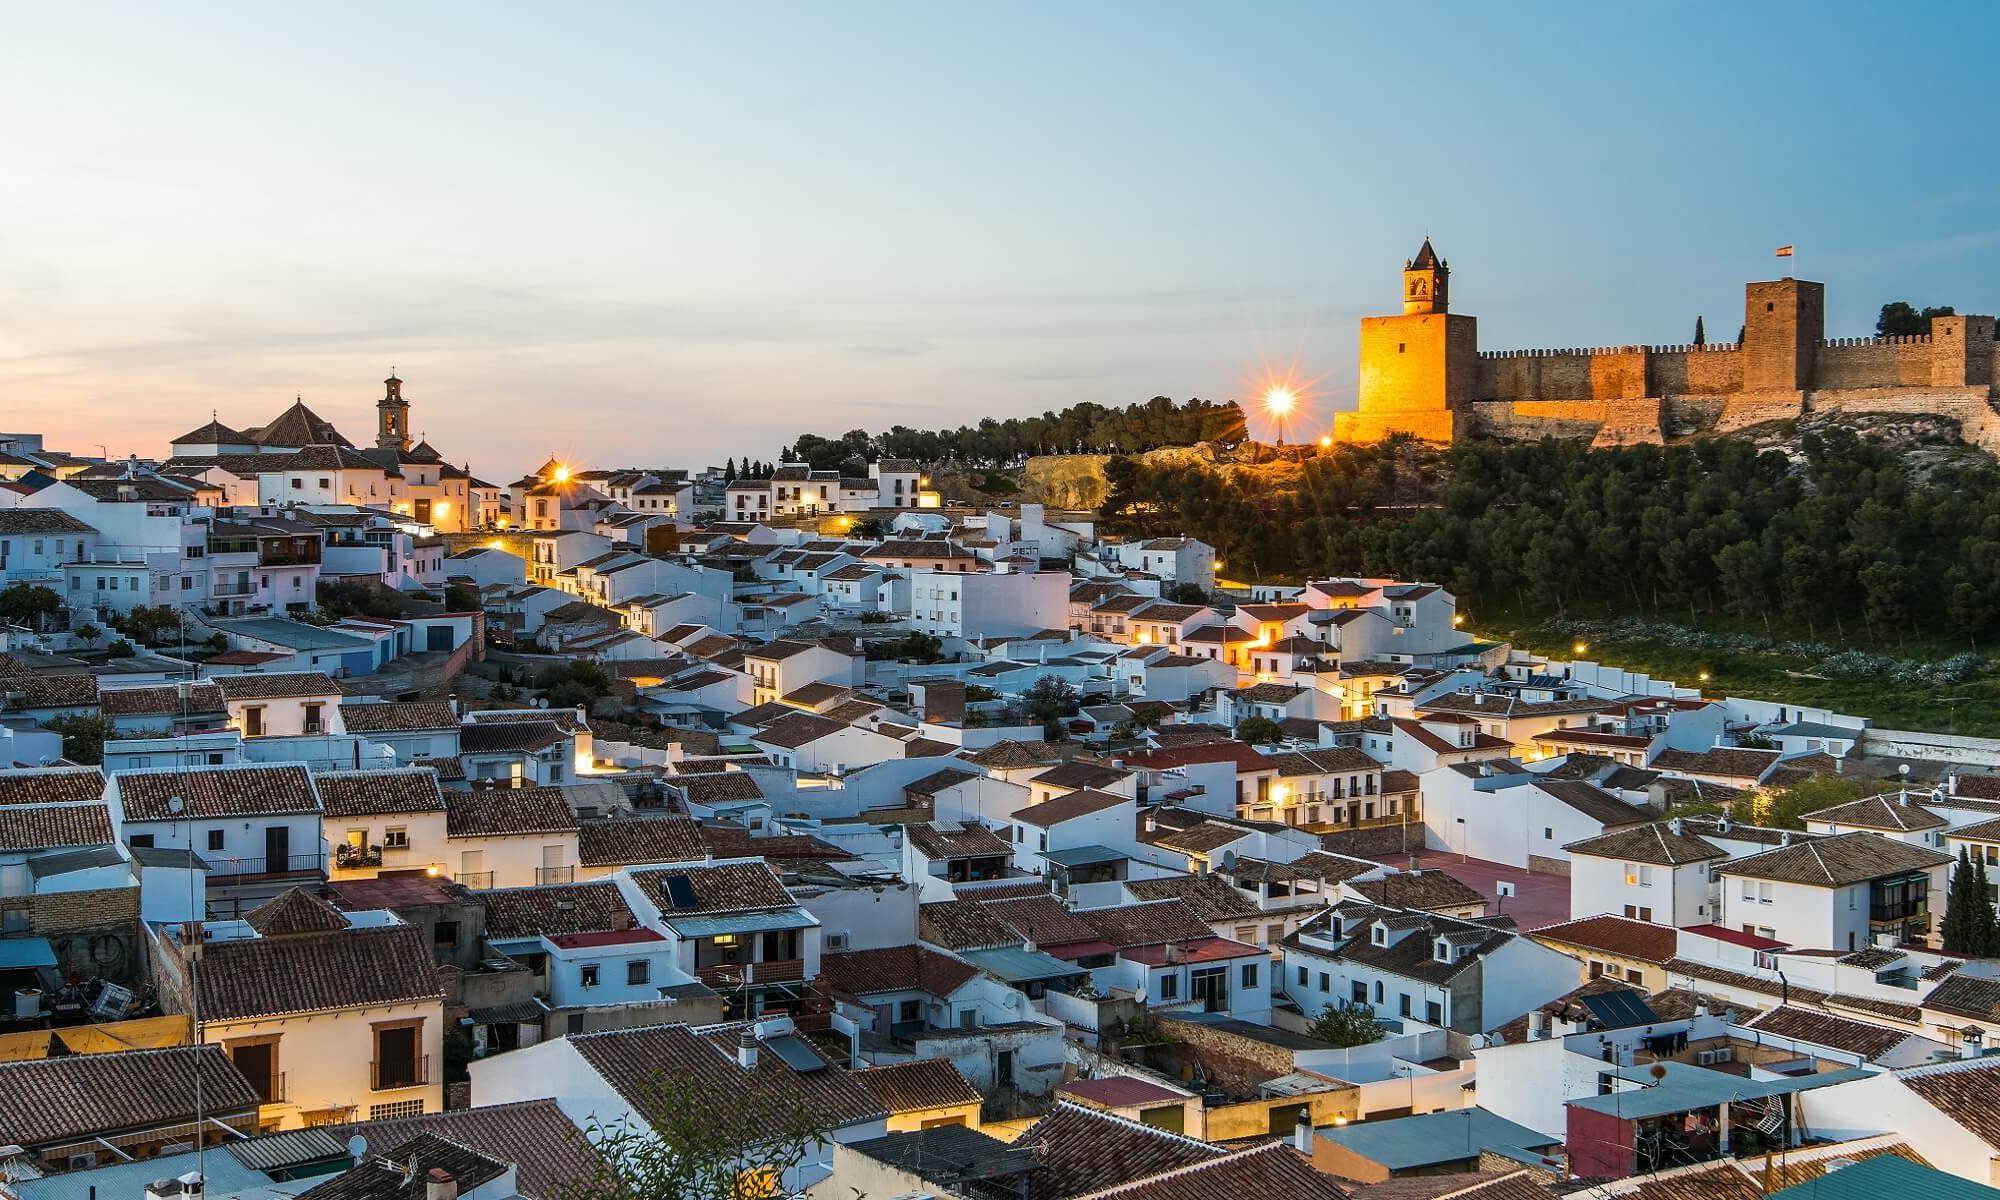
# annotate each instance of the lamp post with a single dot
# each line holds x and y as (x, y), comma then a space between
(1278, 402)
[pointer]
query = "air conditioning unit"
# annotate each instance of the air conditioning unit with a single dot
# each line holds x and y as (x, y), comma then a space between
(1709, 1058)
(80, 1162)
(836, 943)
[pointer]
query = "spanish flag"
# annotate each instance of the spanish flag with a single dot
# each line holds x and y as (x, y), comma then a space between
(1784, 252)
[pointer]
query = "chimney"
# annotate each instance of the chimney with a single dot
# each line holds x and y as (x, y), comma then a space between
(1674, 826)
(440, 1184)
(1538, 1025)
(1302, 1132)
(1786, 838)
(746, 1050)
(1971, 1042)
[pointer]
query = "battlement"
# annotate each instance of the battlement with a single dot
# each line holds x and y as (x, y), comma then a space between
(1903, 339)
(1592, 351)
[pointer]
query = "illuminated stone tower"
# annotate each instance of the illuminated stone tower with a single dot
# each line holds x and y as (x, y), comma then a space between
(1419, 370)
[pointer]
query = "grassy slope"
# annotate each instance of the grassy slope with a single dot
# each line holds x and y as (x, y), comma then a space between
(1889, 702)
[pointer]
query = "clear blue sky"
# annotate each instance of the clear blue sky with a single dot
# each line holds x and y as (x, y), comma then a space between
(672, 233)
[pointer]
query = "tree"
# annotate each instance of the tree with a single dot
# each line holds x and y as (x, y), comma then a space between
(1966, 909)
(1986, 935)
(1051, 699)
(460, 598)
(1900, 319)
(1259, 731)
(729, 470)
(573, 685)
(1185, 593)
(29, 604)
(1785, 807)
(83, 736)
(691, 1141)
(1345, 1025)
(120, 648)
(1700, 334)
(87, 633)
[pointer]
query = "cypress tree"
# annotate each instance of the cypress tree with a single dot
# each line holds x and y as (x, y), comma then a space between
(1986, 924)
(1959, 929)
(1700, 334)
(729, 471)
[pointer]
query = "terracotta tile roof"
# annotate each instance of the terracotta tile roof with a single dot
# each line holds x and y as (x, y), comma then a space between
(963, 925)
(280, 686)
(276, 976)
(940, 780)
(160, 701)
(1824, 1029)
(1204, 838)
(915, 1086)
(894, 969)
(1083, 1151)
(734, 841)
(251, 789)
(1014, 756)
(1614, 935)
(398, 716)
(1656, 844)
(923, 747)
(1962, 1091)
(635, 842)
(379, 792)
(568, 908)
(1426, 890)
(1838, 861)
(638, 1063)
(549, 1153)
(955, 840)
(1729, 762)
(1272, 1169)
(719, 787)
(401, 1172)
(1150, 923)
(797, 729)
(55, 826)
(1880, 812)
(720, 888)
(295, 910)
(47, 1100)
(1068, 807)
(1412, 957)
(1596, 803)
(1516, 1029)
(495, 737)
(1043, 920)
(1078, 774)
(1332, 760)
(50, 785)
(46, 690)
(501, 812)
(1967, 996)
(1210, 896)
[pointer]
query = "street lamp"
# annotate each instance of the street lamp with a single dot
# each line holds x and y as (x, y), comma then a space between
(1278, 402)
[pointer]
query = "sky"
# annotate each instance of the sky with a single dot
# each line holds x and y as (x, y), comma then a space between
(665, 234)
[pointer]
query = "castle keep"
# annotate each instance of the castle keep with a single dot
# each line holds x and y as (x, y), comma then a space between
(1422, 373)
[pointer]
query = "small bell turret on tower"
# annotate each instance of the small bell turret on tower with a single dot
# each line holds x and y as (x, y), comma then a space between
(1426, 283)
(392, 417)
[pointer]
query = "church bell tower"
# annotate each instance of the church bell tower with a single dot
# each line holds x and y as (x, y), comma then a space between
(392, 417)
(1426, 283)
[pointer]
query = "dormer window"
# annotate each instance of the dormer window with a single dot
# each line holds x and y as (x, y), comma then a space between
(1442, 949)
(1381, 937)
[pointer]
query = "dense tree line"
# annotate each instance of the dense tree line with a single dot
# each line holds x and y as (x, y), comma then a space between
(1078, 429)
(1840, 534)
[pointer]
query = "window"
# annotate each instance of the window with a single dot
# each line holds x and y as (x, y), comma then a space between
(638, 971)
(140, 841)
(1378, 991)
(588, 974)
(444, 935)
(1433, 1013)
(1250, 975)
(1246, 933)
(1303, 975)
(396, 837)
(215, 839)
(1403, 1004)
(1170, 987)
(1548, 834)
(1360, 992)
(910, 1010)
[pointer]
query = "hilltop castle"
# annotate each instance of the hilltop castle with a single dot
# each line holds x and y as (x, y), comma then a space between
(1422, 373)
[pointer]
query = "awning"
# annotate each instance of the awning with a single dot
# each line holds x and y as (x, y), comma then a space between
(143, 1033)
(1018, 964)
(1084, 856)
(763, 922)
(26, 953)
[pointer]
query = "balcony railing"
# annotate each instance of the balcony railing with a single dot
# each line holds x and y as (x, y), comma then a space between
(1884, 914)
(402, 1073)
(478, 881)
(272, 1090)
(257, 864)
(226, 591)
(729, 975)
(351, 857)
(555, 875)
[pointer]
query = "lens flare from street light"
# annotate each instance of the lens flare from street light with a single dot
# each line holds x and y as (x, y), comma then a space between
(562, 474)
(1326, 441)
(1280, 400)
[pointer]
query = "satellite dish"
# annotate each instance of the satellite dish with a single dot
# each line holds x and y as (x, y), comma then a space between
(356, 1147)
(175, 805)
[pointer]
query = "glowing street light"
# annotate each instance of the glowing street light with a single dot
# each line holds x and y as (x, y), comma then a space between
(1279, 402)
(1581, 647)
(1326, 441)
(562, 474)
